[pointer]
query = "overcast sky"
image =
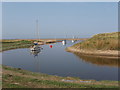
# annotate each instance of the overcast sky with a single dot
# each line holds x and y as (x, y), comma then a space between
(58, 19)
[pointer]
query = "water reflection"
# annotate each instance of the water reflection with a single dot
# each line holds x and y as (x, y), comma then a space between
(35, 53)
(112, 62)
(36, 64)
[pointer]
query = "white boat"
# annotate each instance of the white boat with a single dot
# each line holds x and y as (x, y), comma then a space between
(73, 41)
(64, 42)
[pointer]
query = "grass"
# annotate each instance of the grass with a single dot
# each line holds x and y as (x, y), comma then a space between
(18, 43)
(18, 78)
(14, 44)
(104, 41)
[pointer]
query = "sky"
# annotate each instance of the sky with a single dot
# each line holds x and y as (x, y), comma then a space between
(58, 19)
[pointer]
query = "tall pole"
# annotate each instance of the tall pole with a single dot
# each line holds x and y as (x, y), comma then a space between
(37, 28)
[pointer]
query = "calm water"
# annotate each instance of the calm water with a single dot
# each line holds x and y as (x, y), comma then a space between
(56, 61)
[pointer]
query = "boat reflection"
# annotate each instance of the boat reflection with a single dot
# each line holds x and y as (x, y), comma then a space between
(36, 52)
(99, 61)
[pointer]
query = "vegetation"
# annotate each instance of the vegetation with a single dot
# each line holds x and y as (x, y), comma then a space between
(17, 78)
(105, 41)
(18, 43)
(13, 44)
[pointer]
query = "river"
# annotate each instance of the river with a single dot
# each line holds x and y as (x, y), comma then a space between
(56, 61)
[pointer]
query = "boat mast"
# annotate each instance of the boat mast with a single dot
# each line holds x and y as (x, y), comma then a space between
(37, 28)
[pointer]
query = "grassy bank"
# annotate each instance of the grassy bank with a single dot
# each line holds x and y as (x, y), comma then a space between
(103, 44)
(14, 44)
(19, 43)
(17, 78)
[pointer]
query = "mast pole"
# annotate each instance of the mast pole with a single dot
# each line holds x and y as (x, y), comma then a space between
(37, 28)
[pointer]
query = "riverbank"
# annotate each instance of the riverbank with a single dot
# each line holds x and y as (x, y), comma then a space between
(105, 44)
(19, 43)
(18, 78)
(97, 53)
(14, 44)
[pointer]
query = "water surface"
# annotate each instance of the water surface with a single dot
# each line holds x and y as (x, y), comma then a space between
(56, 61)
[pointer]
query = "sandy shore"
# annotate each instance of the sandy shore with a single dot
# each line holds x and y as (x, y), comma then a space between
(106, 53)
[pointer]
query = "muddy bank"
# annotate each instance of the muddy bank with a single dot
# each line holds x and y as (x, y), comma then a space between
(98, 53)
